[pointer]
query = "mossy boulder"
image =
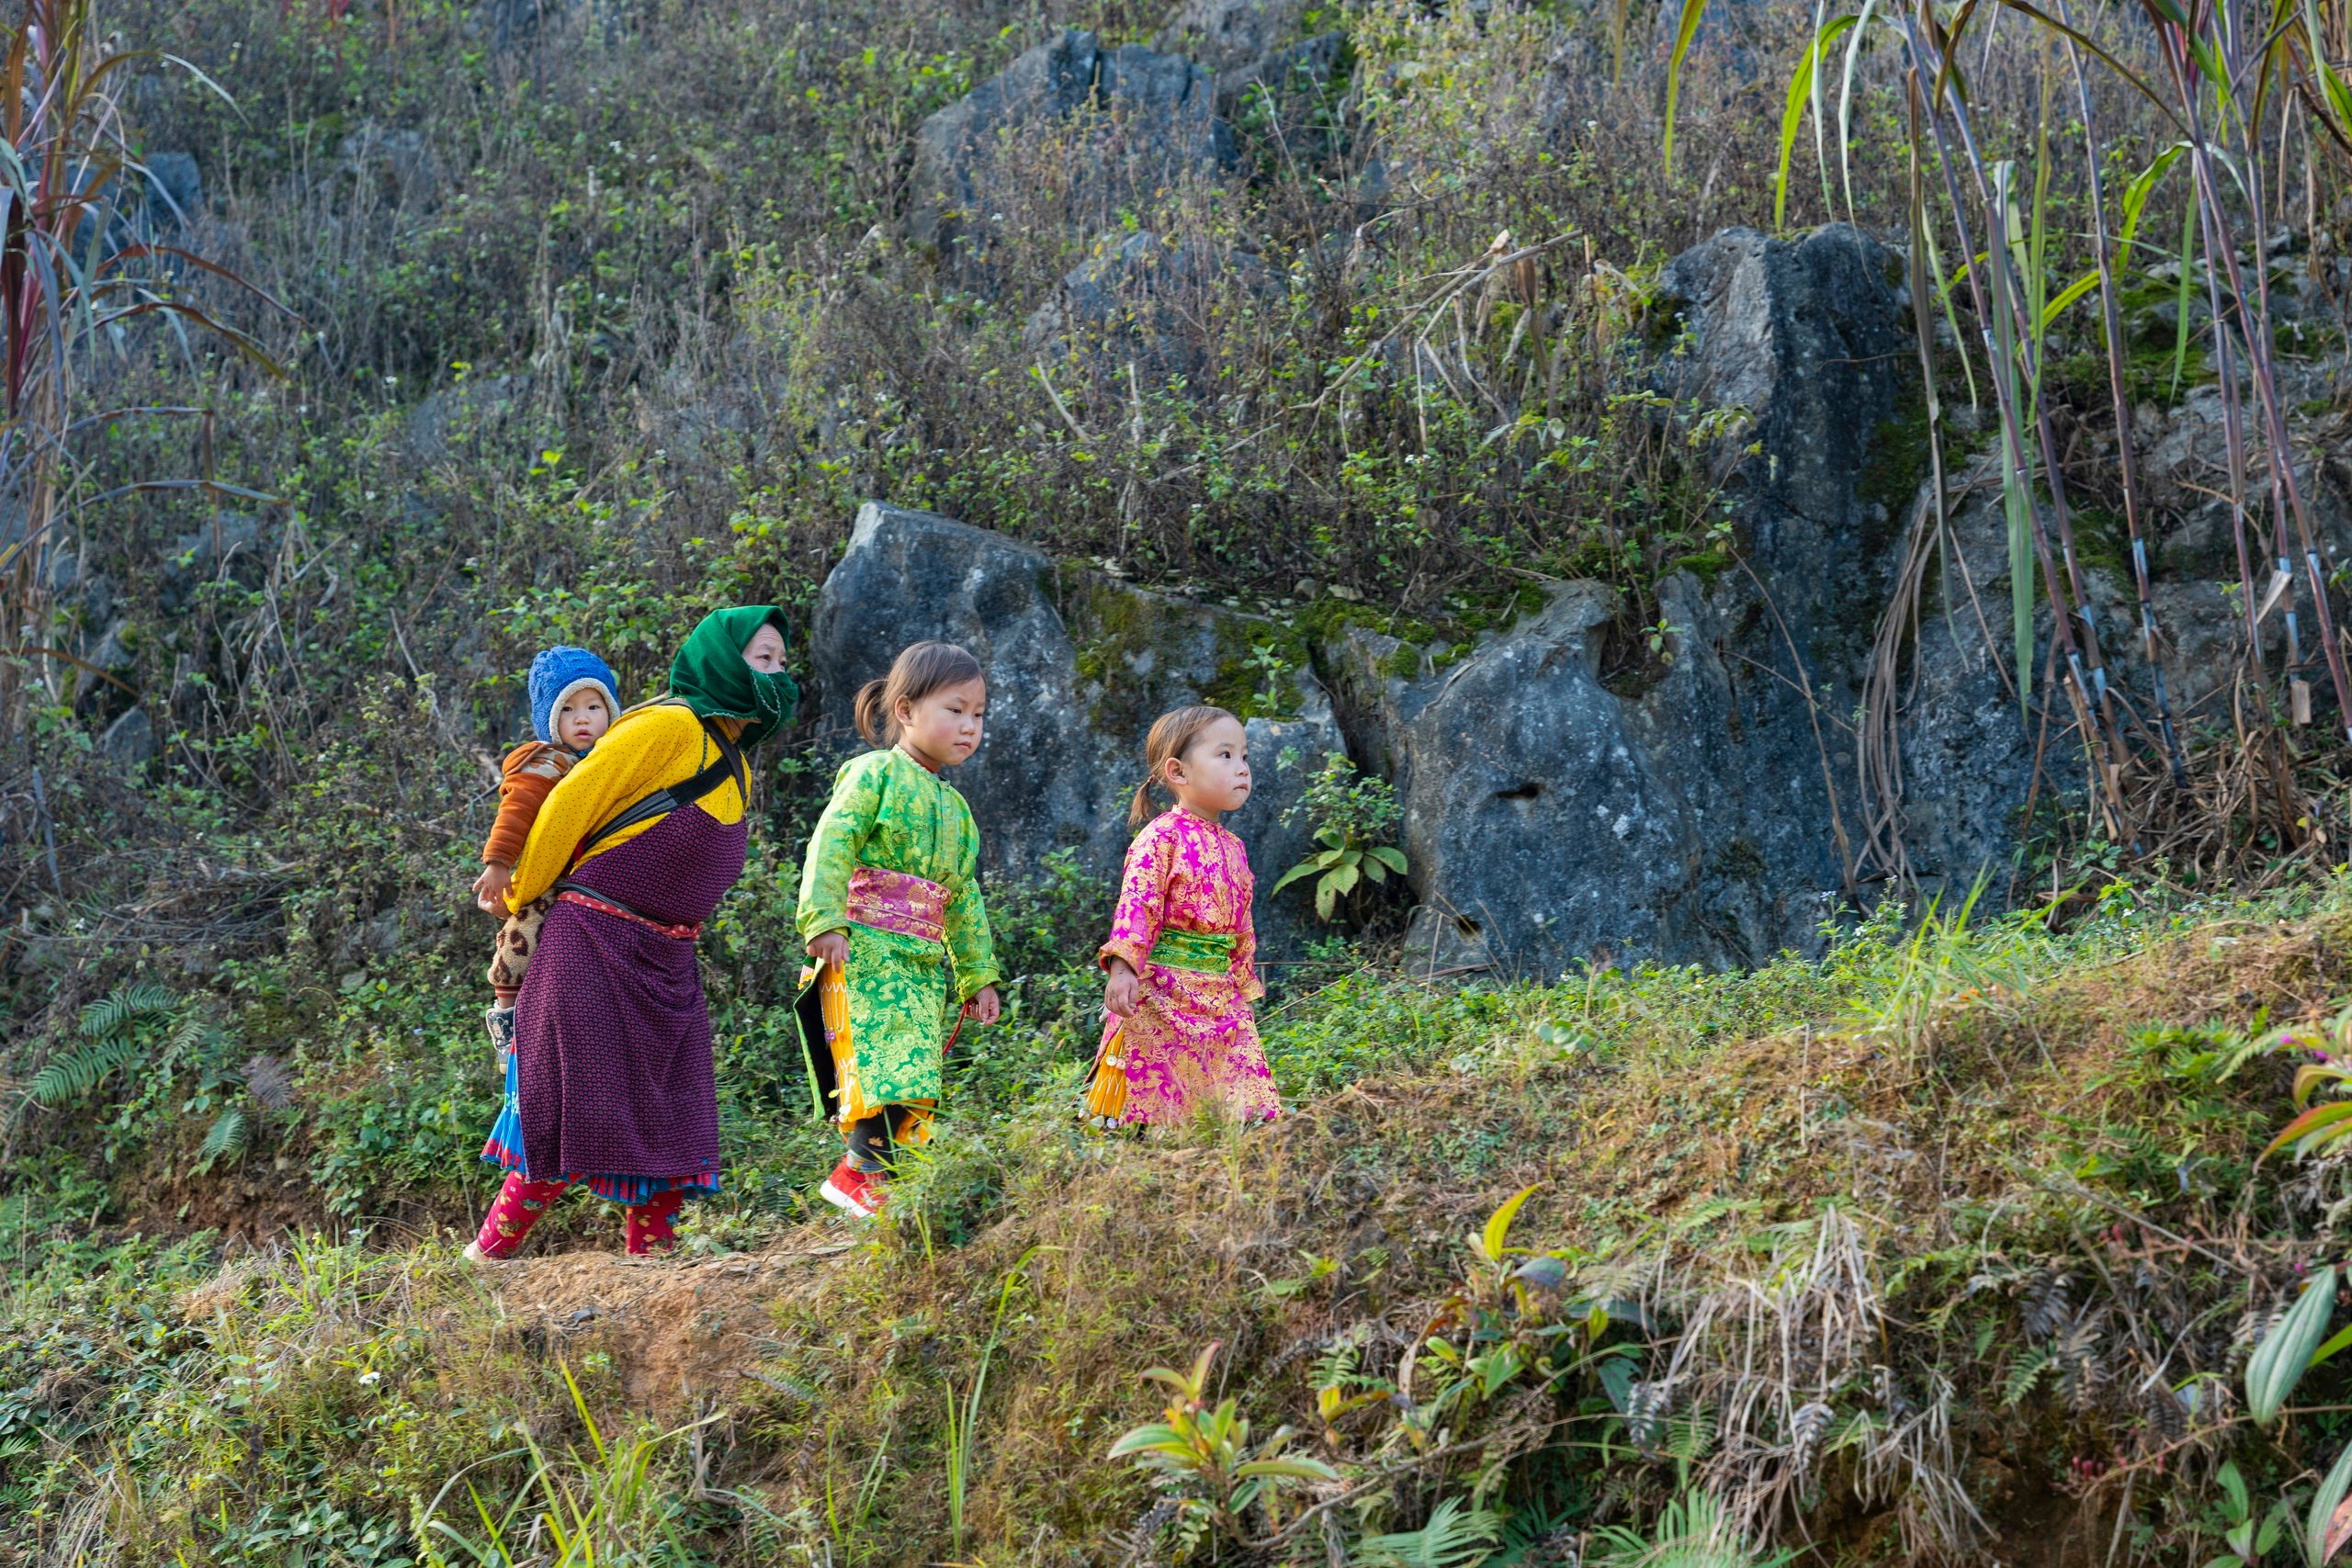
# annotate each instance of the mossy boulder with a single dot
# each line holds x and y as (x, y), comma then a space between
(1641, 770)
(1078, 665)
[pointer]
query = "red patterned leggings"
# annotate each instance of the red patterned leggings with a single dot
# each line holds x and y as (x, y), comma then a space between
(521, 1201)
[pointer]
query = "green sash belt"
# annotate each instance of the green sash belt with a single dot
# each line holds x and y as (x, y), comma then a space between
(1204, 952)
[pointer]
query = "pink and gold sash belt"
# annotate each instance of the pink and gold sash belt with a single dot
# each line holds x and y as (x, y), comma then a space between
(896, 901)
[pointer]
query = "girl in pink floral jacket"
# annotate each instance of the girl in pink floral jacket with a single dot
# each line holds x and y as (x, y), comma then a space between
(1180, 957)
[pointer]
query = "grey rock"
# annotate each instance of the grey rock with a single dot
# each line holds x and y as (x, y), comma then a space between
(471, 411)
(1289, 79)
(1737, 34)
(130, 741)
(174, 189)
(112, 651)
(1156, 124)
(1567, 797)
(1439, 945)
(397, 167)
(1556, 820)
(79, 590)
(1253, 44)
(1227, 36)
(1285, 756)
(233, 541)
(1968, 746)
(1809, 337)
(722, 413)
(379, 937)
(514, 26)
(1149, 301)
(233, 549)
(1077, 665)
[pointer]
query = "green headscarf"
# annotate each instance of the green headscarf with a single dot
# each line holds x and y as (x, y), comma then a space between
(710, 677)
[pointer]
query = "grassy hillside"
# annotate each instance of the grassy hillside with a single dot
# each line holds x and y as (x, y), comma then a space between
(1947, 1246)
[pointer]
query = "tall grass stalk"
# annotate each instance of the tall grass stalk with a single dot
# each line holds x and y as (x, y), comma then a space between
(76, 274)
(963, 1427)
(2226, 81)
(573, 1510)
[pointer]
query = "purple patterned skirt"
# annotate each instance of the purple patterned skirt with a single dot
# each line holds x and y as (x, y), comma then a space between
(612, 1038)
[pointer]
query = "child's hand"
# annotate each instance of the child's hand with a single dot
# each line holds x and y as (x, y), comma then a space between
(985, 1006)
(490, 887)
(1119, 996)
(831, 947)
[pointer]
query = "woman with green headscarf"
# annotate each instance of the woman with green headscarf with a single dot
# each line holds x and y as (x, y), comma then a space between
(610, 1082)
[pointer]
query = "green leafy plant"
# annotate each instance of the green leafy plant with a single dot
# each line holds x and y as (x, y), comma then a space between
(575, 1510)
(963, 1427)
(246, 1095)
(1454, 1537)
(1513, 1316)
(111, 1041)
(1692, 1531)
(2329, 1523)
(2249, 1538)
(126, 1029)
(1351, 813)
(1206, 1459)
(2288, 1350)
(2316, 1128)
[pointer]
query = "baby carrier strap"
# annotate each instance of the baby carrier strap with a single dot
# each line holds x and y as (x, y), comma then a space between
(661, 802)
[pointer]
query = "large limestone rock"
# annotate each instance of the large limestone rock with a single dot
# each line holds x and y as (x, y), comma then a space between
(1813, 338)
(130, 741)
(1078, 665)
(1969, 759)
(1571, 796)
(1550, 818)
(1153, 123)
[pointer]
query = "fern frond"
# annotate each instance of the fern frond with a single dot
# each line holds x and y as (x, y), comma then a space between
(123, 1005)
(1337, 1364)
(69, 1076)
(269, 1081)
(1690, 1438)
(1453, 1538)
(2022, 1377)
(231, 1133)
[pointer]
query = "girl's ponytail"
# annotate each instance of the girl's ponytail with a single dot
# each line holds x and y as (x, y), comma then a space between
(1139, 810)
(868, 713)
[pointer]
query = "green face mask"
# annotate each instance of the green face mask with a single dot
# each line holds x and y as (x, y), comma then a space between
(710, 677)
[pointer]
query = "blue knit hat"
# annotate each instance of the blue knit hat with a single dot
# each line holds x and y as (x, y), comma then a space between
(556, 673)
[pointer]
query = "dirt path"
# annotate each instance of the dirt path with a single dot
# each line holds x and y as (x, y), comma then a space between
(676, 1332)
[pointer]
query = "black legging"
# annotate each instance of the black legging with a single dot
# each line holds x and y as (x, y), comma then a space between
(872, 1143)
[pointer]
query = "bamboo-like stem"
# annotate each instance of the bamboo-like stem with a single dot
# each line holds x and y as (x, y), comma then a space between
(2098, 736)
(2126, 448)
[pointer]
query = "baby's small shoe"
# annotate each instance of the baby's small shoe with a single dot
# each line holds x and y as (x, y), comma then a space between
(499, 1022)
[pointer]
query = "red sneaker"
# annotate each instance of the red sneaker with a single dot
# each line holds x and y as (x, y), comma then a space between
(852, 1190)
